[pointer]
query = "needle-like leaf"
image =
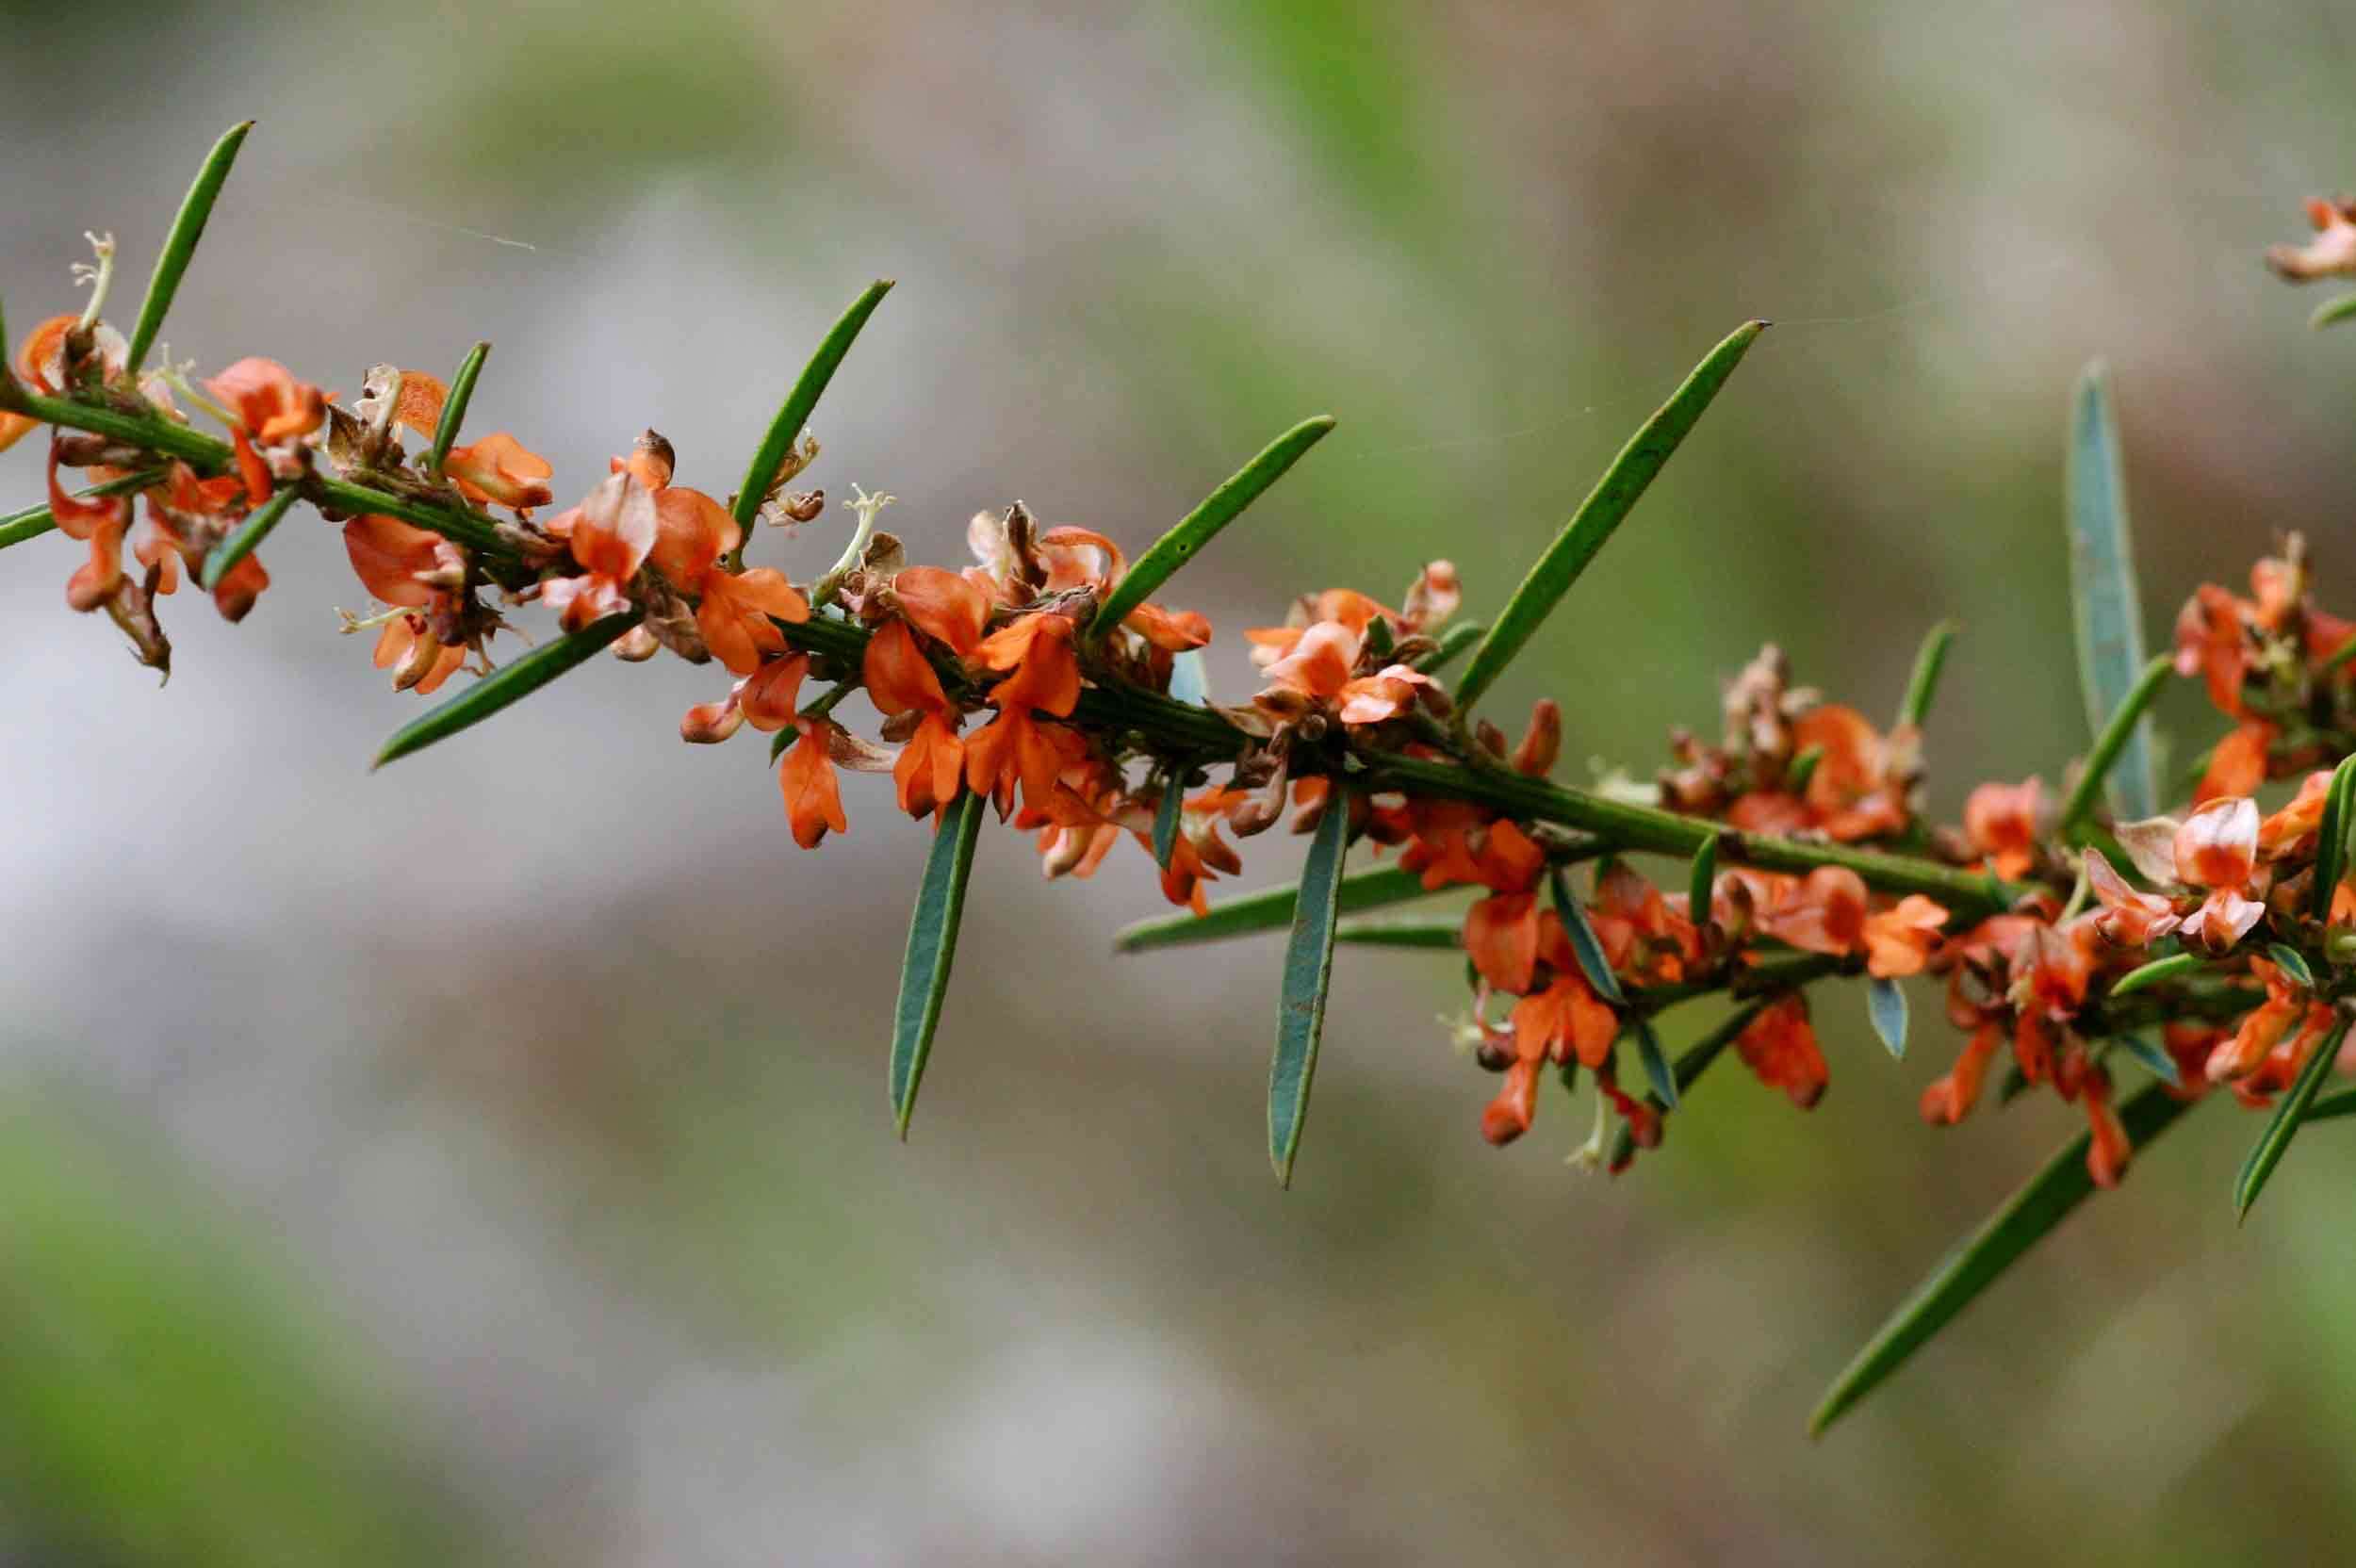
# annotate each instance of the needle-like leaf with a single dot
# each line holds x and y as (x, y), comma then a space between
(1198, 527)
(454, 406)
(2117, 741)
(1996, 1246)
(2283, 1125)
(1165, 815)
(1268, 910)
(1600, 515)
(801, 401)
(2107, 606)
(180, 244)
(34, 521)
(1930, 661)
(2332, 311)
(2332, 837)
(248, 538)
(932, 947)
(1584, 945)
(1886, 1003)
(2157, 971)
(1454, 643)
(1308, 977)
(2158, 1063)
(1655, 1063)
(1702, 884)
(1442, 935)
(508, 684)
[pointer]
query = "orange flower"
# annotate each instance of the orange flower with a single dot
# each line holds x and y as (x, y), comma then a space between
(2331, 252)
(418, 661)
(611, 530)
(1509, 1116)
(2211, 643)
(98, 524)
(1501, 938)
(2281, 832)
(496, 468)
(1386, 694)
(813, 804)
(2001, 820)
(1824, 912)
(2129, 918)
(2107, 1151)
(1015, 746)
(1779, 1046)
(2263, 1027)
(271, 407)
(393, 560)
(1857, 791)
(2239, 765)
(1899, 940)
(1566, 1020)
(1319, 661)
(1643, 940)
(943, 604)
(899, 681)
(1949, 1100)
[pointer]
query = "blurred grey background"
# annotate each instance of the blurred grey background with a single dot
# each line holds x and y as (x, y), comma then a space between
(487, 1161)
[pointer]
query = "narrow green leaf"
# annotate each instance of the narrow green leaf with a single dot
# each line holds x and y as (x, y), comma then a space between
(1442, 935)
(454, 406)
(2148, 1055)
(1308, 976)
(932, 948)
(1982, 1259)
(1600, 515)
(802, 400)
(2332, 311)
(2332, 837)
(1165, 816)
(2283, 1125)
(1702, 888)
(1886, 1003)
(1930, 661)
(2292, 963)
(1189, 680)
(248, 537)
(507, 684)
(1583, 944)
(2106, 607)
(2332, 1107)
(180, 244)
(1268, 910)
(2157, 971)
(1656, 1065)
(1198, 527)
(1456, 641)
(34, 521)
(2118, 739)
(1803, 768)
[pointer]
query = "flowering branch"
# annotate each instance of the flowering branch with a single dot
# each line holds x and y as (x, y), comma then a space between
(1046, 684)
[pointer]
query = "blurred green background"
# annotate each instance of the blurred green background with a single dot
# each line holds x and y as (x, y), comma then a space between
(488, 1161)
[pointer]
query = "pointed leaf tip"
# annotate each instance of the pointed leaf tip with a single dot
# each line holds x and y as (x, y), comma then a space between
(187, 227)
(932, 948)
(1308, 978)
(2106, 604)
(1601, 513)
(802, 400)
(2289, 1111)
(1886, 1003)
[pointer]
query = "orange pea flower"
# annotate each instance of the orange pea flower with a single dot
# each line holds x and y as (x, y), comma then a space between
(498, 469)
(2239, 765)
(1949, 1099)
(270, 408)
(813, 803)
(1015, 746)
(2129, 918)
(1779, 1046)
(943, 604)
(2001, 821)
(101, 525)
(1898, 940)
(611, 532)
(900, 680)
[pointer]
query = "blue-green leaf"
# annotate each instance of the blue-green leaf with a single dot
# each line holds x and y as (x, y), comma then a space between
(1165, 816)
(2106, 605)
(454, 406)
(1702, 887)
(247, 538)
(802, 400)
(508, 684)
(1268, 910)
(2282, 1126)
(1996, 1246)
(180, 244)
(932, 948)
(1600, 515)
(2153, 1060)
(2292, 963)
(1198, 527)
(1656, 1065)
(1886, 1003)
(1308, 976)
(1584, 945)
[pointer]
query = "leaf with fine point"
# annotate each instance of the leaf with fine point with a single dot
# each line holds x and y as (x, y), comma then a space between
(802, 400)
(2332, 1107)
(508, 684)
(2107, 606)
(1440, 934)
(454, 406)
(2157, 971)
(1584, 945)
(1996, 1246)
(2332, 311)
(1886, 1003)
(2332, 838)
(1658, 1072)
(1198, 527)
(1308, 977)
(2113, 741)
(248, 538)
(932, 947)
(1600, 515)
(180, 244)
(1165, 815)
(1701, 890)
(2292, 963)
(1930, 661)
(1268, 910)
(2282, 1126)
(2158, 1063)
(1454, 643)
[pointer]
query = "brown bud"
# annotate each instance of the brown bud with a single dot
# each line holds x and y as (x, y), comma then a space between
(1492, 739)
(1542, 743)
(802, 506)
(636, 647)
(710, 722)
